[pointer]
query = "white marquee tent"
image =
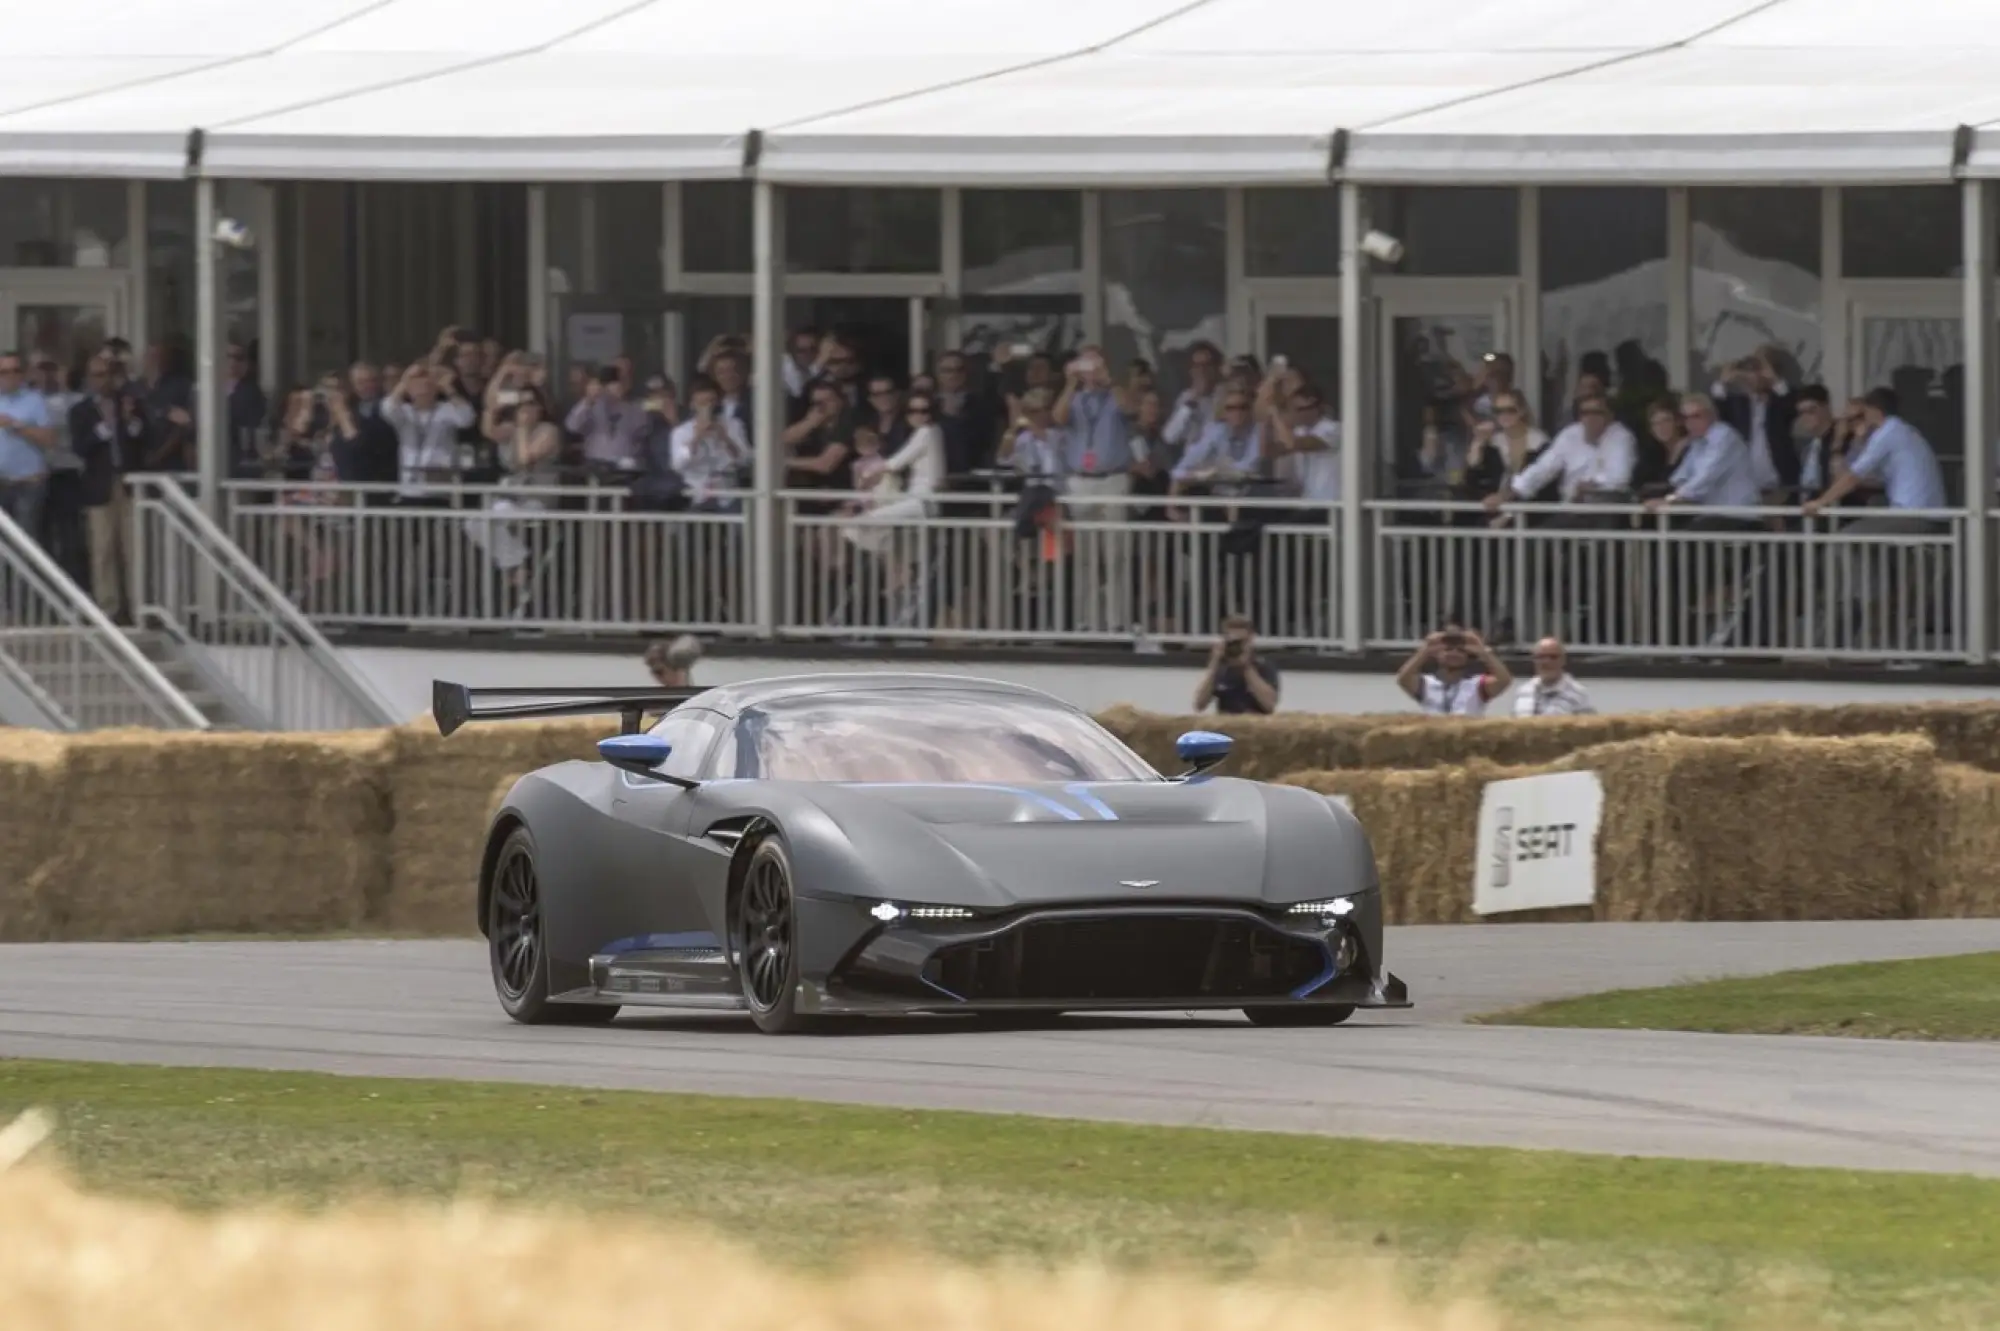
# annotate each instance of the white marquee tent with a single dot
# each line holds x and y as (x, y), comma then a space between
(1033, 92)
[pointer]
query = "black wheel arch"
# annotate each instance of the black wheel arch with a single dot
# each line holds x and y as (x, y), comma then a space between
(489, 859)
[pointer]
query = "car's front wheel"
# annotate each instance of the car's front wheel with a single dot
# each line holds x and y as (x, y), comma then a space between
(764, 941)
(517, 947)
(1329, 1014)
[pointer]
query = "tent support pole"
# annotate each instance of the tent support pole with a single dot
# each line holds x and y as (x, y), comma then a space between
(767, 332)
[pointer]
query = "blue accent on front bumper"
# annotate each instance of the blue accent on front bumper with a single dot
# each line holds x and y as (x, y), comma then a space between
(1323, 979)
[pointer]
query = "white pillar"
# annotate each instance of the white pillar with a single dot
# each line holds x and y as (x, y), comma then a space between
(211, 412)
(1355, 441)
(1979, 416)
(538, 271)
(767, 334)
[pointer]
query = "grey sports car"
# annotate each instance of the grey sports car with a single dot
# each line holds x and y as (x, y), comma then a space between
(862, 844)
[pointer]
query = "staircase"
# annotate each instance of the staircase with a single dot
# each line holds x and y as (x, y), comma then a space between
(204, 694)
(63, 665)
(224, 633)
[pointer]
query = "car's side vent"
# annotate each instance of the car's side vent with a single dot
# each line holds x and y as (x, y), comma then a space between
(730, 832)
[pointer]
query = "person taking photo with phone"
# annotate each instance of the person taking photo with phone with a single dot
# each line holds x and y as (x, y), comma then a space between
(1440, 677)
(1237, 681)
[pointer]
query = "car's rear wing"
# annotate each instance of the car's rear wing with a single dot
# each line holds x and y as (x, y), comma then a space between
(452, 705)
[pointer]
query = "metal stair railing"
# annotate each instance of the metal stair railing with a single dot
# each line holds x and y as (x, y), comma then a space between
(198, 586)
(66, 657)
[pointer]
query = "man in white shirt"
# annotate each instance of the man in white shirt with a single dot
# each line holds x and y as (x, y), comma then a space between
(709, 449)
(427, 426)
(1754, 400)
(1593, 458)
(1305, 447)
(1552, 690)
(1195, 409)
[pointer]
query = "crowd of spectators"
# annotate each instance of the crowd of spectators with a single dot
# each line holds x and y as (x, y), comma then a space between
(1068, 446)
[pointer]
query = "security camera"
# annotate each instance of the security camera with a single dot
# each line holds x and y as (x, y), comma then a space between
(234, 234)
(1382, 247)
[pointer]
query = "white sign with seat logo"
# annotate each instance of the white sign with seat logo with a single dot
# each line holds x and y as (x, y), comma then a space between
(1537, 843)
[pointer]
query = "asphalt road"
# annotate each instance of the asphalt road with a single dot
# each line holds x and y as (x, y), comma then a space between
(425, 1009)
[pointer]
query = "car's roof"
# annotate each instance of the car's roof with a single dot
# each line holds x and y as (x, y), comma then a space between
(730, 699)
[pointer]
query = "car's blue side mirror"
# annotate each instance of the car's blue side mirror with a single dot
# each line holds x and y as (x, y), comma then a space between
(1202, 749)
(634, 753)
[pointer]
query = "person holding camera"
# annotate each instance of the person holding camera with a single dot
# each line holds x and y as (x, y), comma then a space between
(1237, 681)
(1439, 676)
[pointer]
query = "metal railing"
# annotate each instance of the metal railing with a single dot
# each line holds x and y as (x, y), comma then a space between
(1871, 584)
(226, 616)
(577, 559)
(1859, 584)
(1100, 569)
(66, 659)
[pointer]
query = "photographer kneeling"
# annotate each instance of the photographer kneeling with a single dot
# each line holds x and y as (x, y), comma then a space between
(1237, 681)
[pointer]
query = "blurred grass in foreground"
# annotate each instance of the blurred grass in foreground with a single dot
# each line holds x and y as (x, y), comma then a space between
(1554, 1239)
(1931, 998)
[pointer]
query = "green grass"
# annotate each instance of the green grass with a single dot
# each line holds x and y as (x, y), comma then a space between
(1934, 998)
(1556, 1238)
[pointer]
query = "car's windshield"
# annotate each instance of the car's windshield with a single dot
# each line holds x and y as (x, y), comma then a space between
(928, 735)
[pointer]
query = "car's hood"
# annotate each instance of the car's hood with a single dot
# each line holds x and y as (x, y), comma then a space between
(1056, 842)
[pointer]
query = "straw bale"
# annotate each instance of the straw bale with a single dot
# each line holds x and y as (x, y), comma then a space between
(1266, 747)
(172, 833)
(442, 789)
(1962, 732)
(1968, 871)
(1766, 828)
(33, 794)
(74, 1259)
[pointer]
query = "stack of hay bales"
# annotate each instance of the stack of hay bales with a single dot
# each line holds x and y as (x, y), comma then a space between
(443, 791)
(33, 797)
(172, 833)
(1266, 747)
(1768, 828)
(1968, 843)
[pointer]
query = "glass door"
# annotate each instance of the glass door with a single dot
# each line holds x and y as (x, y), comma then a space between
(1438, 338)
(64, 316)
(1307, 334)
(1914, 342)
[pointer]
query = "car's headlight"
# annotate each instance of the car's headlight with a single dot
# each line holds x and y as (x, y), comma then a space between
(1332, 909)
(890, 911)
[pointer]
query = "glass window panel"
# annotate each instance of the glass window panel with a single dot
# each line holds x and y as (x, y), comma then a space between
(1165, 262)
(1923, 359)
(716, 222)
(1901, 231)
(850, 229)
(1756, 277)
(1452, 231)
(1292, 232)
(605, 238)
(707, 318)
(1604, 296)
(170, 268)
(63, 224)
(1021, 242)
(237, 267)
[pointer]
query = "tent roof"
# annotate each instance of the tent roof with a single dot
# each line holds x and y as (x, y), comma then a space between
(1111, 92)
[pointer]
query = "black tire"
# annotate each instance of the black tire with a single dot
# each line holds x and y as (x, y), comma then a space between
(764, 941)
(1331, 1014)
(516, 947)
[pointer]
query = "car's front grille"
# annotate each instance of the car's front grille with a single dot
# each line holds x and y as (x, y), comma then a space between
(1167, 957)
